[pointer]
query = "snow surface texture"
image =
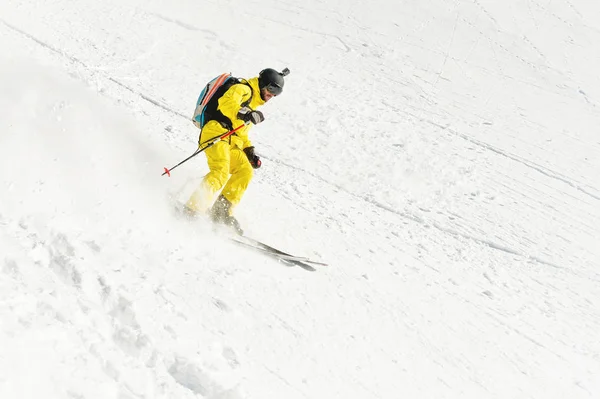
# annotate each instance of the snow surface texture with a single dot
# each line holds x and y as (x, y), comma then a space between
(441, 156)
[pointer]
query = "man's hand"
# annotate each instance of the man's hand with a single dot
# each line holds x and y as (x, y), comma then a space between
(247, 115)
(252, 157)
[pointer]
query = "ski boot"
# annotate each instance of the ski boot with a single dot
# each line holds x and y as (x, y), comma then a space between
(220, 214)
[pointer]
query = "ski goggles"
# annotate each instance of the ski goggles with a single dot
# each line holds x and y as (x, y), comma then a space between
(274, 89)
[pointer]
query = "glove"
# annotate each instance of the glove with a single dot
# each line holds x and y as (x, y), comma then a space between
(252, 157)
(247, 115)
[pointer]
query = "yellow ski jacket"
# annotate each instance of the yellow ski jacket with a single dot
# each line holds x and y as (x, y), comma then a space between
(230, 104)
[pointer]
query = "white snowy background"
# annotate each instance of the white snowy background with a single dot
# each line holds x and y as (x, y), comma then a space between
(441, 156)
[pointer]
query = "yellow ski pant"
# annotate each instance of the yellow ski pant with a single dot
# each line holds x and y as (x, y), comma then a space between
(230, 170)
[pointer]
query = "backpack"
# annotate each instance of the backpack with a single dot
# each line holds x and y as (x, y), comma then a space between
(207, 104)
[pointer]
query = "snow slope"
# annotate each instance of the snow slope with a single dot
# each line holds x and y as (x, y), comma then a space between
(439, 155)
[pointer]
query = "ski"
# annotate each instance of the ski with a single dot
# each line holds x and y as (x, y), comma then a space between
(280, 255)
(288, 260)
(266, 247)
(275, 253)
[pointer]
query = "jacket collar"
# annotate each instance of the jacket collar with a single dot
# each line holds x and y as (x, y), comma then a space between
(256, 98)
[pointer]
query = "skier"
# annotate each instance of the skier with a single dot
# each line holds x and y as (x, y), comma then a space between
(231, 160)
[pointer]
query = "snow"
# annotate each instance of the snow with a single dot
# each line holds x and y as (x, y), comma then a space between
(440, 156)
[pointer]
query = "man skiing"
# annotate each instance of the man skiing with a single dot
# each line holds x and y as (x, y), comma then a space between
(231, 160)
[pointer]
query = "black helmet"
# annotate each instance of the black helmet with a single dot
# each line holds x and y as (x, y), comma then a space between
(272, 80)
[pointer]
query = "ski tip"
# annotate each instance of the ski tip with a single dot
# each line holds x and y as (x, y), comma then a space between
(166, 172)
